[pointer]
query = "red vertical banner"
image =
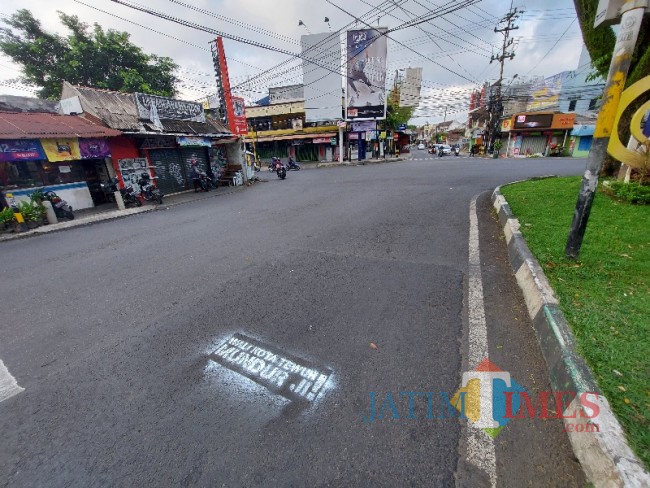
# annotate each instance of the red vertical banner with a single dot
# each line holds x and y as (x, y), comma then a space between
(225, 80)
(238, 125)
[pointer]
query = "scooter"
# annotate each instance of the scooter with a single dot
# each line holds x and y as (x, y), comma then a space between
(457, 152)
(149, 191)
(128, 195)
(60, 206)
(280, 170)
(292, 165)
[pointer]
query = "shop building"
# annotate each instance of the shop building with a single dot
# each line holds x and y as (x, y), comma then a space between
(66, 154)
(160, 135)
(537, 133)
(279, 129)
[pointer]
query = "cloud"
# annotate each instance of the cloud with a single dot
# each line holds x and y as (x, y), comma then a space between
(454, 51)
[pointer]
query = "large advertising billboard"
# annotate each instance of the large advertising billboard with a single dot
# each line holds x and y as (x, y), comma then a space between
(365, 95)
(322, 81)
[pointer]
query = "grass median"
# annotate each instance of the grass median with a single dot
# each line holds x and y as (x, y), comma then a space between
(605, 295)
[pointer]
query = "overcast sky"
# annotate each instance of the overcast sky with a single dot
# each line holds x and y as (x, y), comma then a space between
(547, 42)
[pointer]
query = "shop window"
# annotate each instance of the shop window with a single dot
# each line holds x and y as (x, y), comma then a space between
(21, 174)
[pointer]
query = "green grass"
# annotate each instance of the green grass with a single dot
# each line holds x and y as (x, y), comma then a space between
(605, 295)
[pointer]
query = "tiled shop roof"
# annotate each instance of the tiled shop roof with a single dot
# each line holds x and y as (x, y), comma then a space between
(45, 125)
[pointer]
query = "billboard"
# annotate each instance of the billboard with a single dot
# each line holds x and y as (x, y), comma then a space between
(410, 86)
(545, 93)
(322, 81)
(365, 94)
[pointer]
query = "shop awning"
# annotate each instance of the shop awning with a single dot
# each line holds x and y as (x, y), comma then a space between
(293, 137)
(48, 126)
(583, 130)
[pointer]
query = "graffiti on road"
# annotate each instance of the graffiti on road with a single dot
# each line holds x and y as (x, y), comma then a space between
(294, 378)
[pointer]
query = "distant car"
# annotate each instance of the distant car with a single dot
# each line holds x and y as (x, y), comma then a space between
(446, 149)
(421, 146)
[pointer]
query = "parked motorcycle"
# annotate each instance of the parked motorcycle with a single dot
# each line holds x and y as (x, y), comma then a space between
(457, 151)
(128, 194)
(60, 206)
(148, 190)
(280, 170)
(292, 165)
(207, 183)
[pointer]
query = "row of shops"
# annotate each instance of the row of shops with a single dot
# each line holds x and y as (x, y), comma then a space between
(545, 133)
(104, 134)
(361, 140)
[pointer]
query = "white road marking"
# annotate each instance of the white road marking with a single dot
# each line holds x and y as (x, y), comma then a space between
(480, 446)
(8, 384)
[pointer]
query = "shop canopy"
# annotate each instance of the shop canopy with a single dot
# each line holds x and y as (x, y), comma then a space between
(49, 126)
(583, 130)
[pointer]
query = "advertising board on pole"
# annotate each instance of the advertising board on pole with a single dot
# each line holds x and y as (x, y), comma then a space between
(366, 74)
(322, 77)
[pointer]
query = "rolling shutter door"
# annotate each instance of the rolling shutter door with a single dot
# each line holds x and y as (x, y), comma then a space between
(169, 170)
(200, 154)
(533, 145)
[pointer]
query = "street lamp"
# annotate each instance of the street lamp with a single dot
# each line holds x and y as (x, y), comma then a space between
(300, 22)
(327, 20)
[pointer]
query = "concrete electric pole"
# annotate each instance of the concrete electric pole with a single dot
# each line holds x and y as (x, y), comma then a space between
(506, 24)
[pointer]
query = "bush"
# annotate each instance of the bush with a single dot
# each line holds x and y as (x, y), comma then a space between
(632, 192)
(7, 216)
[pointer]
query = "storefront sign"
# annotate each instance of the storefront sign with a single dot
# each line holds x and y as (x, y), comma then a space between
(21, 150)
(152, 106)
(563, 121)
(341, 123)
(94, 148)
(533, 121)
(65, 169)
(506, 125)
(333, 141)
(194, 141)
(322, 140)
(283, 374)
(364, 126)
(61, 149)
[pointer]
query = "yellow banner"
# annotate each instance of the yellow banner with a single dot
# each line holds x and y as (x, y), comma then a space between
(61, 149)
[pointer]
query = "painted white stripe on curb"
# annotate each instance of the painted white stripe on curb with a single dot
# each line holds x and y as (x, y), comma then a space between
(480, 446)
(8, 385)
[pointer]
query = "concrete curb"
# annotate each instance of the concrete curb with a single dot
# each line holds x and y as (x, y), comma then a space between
(606, 458)
(111, 215)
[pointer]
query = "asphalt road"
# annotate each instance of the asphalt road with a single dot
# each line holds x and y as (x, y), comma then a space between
(357, 271)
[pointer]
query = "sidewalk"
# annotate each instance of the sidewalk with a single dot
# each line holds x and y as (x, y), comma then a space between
(109, 212)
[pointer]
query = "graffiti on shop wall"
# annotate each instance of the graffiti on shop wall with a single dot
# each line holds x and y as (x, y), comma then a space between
(176, 171)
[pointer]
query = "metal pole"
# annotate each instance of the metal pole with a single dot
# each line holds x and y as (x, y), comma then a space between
(340, 144)
(621, 60)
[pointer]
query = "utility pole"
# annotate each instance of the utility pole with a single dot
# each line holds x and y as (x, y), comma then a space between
(631, 16)
(506, 24)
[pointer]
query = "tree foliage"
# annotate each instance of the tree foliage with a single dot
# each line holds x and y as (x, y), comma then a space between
(396, 115)
(87, 56)
(600, 43)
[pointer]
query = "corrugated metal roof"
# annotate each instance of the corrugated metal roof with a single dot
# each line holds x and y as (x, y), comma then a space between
(189, 127)
(119, 111)
(46, 125)
(116, 109)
